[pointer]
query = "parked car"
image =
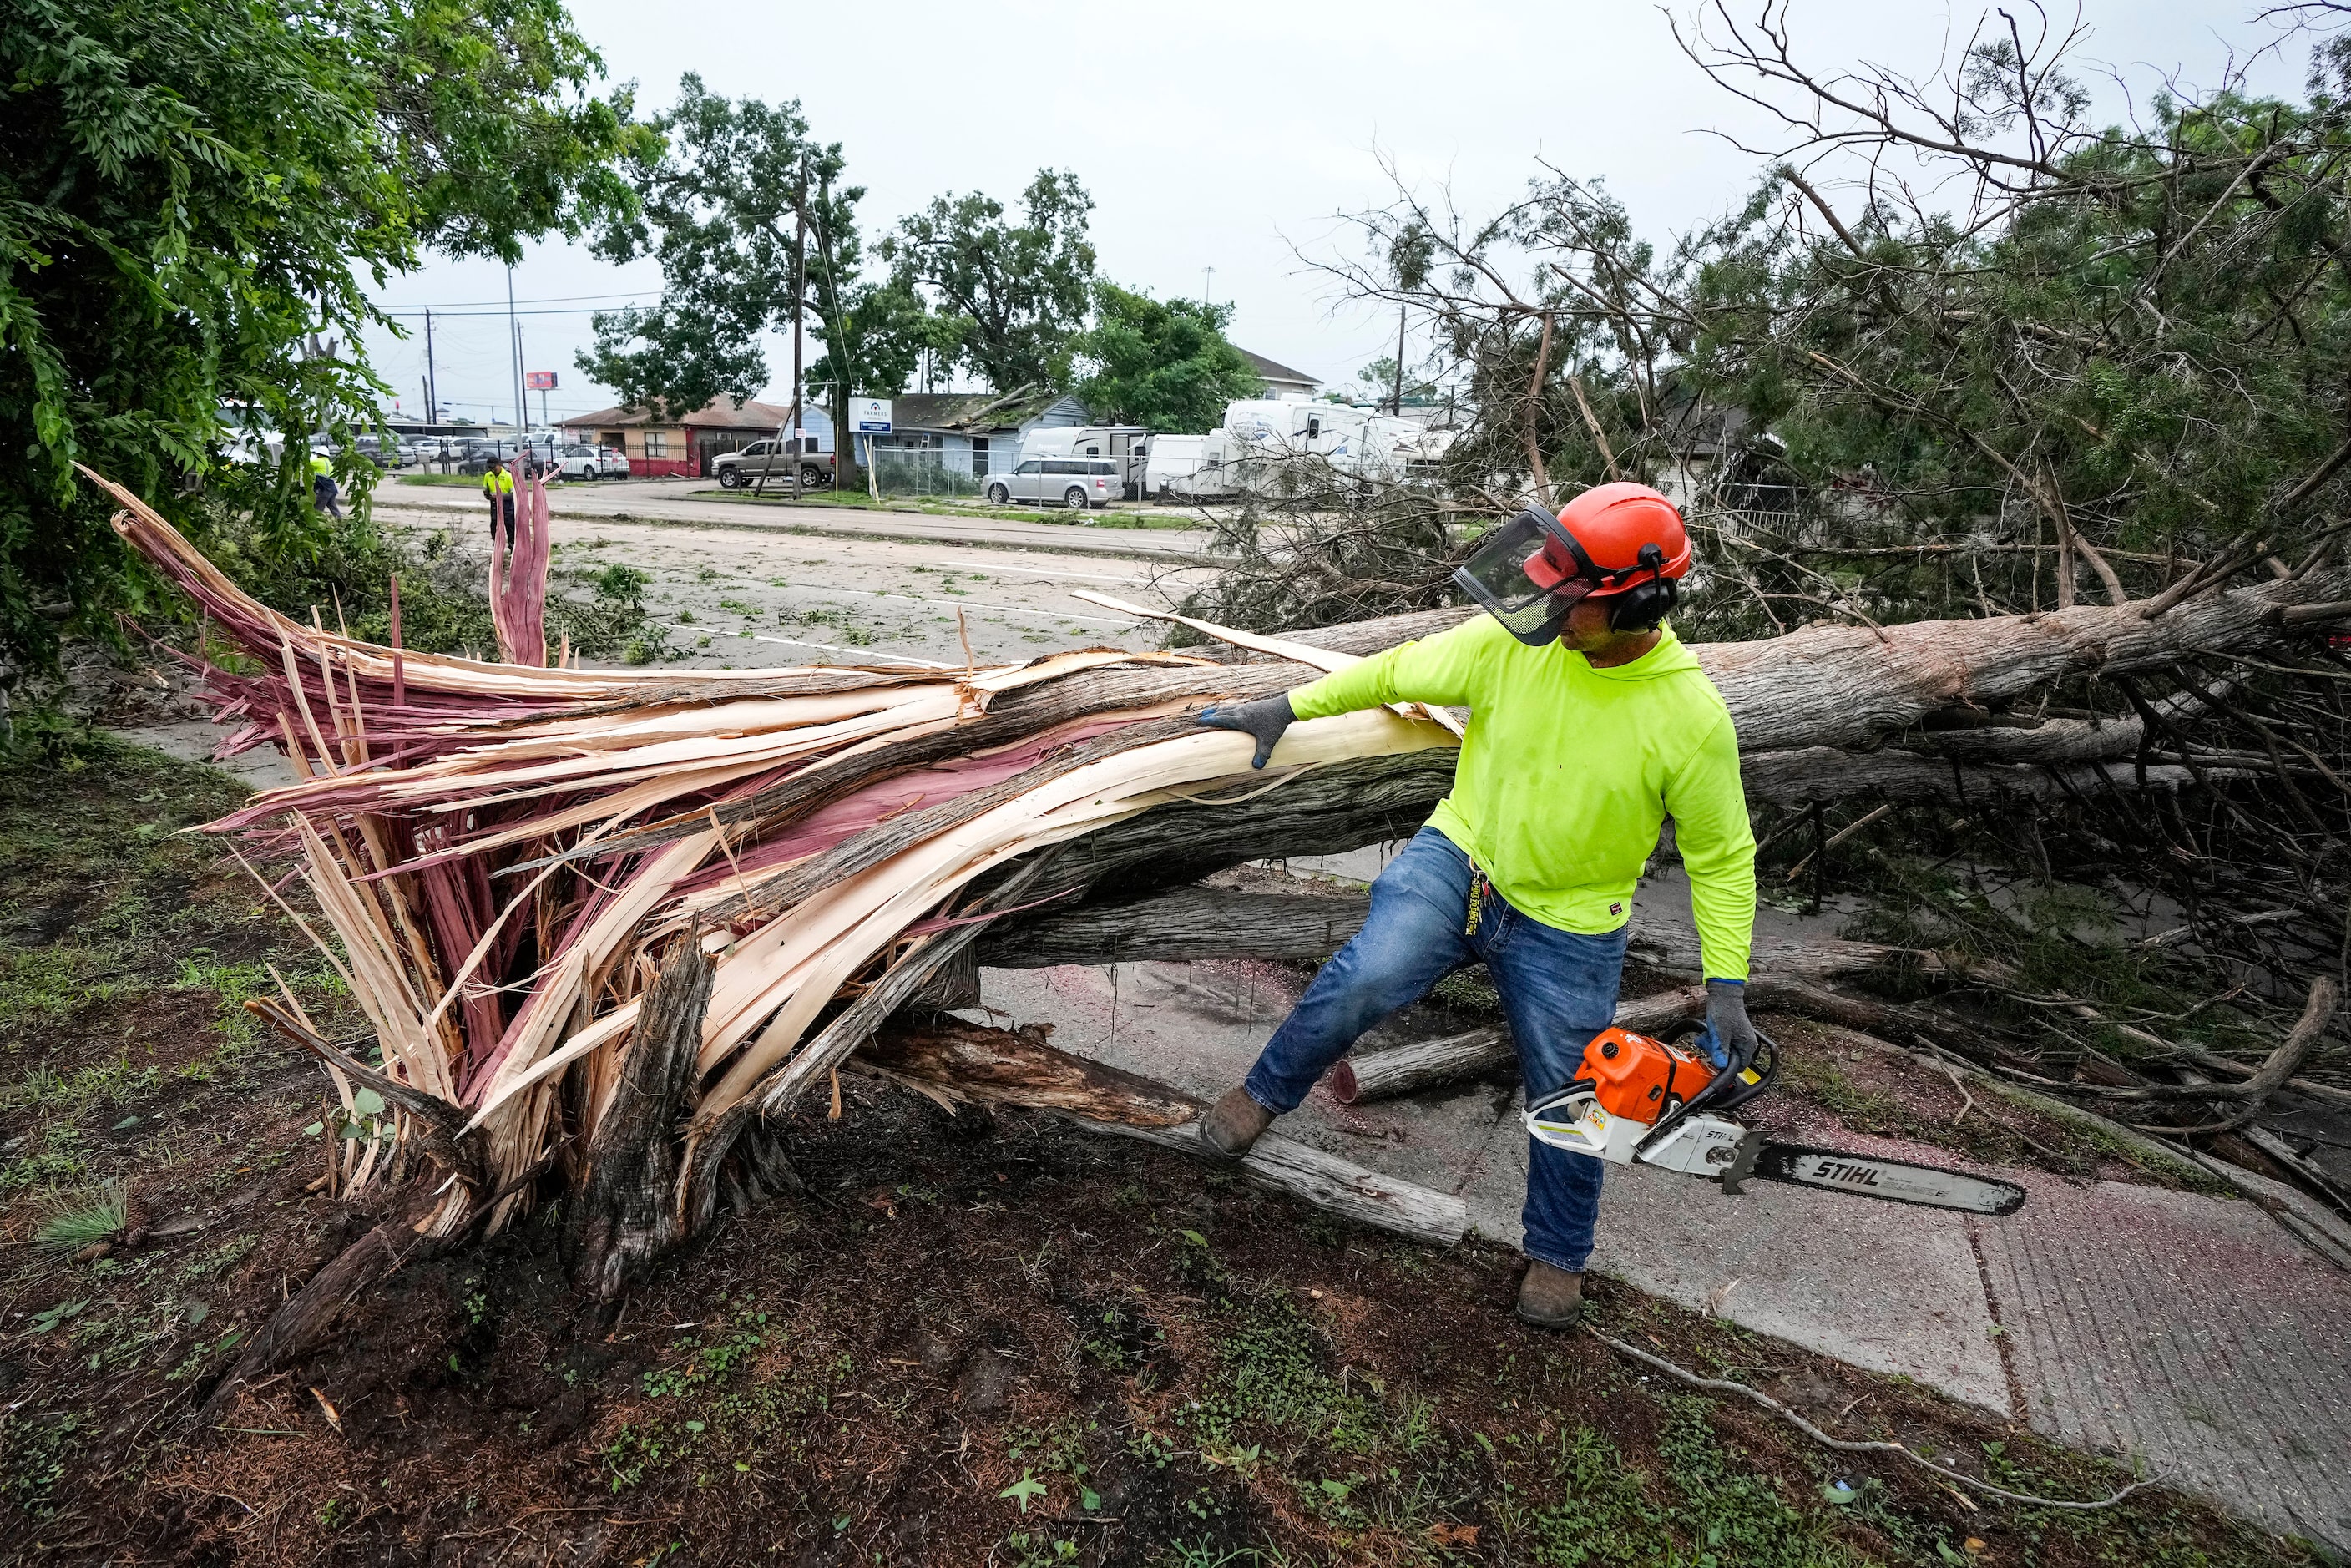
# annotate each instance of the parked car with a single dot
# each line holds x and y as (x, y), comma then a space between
(479, 452)
(253, 449)
(739, 470)
(591, 463)
(1075, 482)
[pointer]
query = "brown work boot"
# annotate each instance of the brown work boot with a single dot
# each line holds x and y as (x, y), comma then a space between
(1234, 1123)
(1550, 1298)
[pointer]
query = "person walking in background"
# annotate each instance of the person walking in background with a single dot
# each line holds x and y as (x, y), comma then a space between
(323, 491)
(498, 488)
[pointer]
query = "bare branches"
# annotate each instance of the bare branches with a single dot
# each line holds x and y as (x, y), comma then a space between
(1534, 404)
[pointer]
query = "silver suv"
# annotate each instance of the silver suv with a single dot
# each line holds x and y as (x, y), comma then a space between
(1075, 482)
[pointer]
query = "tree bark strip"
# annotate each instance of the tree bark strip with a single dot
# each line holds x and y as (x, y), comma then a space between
(625, 1214)
(1020, 1068)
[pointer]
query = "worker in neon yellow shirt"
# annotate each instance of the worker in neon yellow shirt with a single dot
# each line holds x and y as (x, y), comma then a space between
(1589, 724)
(498, 490)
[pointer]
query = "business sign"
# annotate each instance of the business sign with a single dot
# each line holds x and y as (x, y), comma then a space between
(870, 415)
(539, 381)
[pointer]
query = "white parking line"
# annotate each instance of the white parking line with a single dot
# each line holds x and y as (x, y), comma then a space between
(861, 655)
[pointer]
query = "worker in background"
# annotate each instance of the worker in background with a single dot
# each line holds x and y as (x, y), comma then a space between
(323, 490)
(497, 486)
(1588, 723)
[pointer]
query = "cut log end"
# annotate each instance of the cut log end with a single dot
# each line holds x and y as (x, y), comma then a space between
(1342, 1082)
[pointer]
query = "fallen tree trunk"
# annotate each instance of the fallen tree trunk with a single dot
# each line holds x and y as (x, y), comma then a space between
(1188, 922)
(511, 856)
(1424, 1064)
(1181, 922)
(1814, 710)
(1002, 1067)
(1328, 1182)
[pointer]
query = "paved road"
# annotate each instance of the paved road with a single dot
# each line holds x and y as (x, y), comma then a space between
(850, 587)
(676, 501)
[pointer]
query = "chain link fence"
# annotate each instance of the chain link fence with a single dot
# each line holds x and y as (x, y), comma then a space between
(935, 473)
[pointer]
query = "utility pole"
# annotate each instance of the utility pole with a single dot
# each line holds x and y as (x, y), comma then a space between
(800, 310)
(514, 347)
(1207, 284)
(432, 392)
(799, 300)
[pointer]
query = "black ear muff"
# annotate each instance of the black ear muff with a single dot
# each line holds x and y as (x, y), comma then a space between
(1641, 607)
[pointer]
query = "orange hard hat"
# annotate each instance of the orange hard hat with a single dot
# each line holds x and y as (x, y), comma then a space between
(1617, 536)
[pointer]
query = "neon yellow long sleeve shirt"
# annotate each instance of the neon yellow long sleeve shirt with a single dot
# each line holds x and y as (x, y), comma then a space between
(1567, 772)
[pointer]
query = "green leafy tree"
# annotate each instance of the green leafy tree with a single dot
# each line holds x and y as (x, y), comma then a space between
(1162, 365)
(1016, 292)
(194, 196)
(874, 335)
(748, 217)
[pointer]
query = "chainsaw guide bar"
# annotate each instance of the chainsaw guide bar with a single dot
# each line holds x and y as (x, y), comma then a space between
(1836, 1170)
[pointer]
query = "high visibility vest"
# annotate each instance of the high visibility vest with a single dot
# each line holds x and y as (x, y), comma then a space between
(320, 466)
(497, 482)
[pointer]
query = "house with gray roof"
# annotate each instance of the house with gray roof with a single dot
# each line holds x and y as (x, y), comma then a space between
(975, 432)
(1281, 382)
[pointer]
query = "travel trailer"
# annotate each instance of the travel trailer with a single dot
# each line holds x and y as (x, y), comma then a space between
(1356, 443)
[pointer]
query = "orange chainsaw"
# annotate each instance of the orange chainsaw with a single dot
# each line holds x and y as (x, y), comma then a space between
(1638, 1099)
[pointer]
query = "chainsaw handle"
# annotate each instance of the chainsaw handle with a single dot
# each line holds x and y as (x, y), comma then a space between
(1725, 1091)
(1737, 1092)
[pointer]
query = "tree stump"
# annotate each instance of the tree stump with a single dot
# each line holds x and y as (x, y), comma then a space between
(625, 1215)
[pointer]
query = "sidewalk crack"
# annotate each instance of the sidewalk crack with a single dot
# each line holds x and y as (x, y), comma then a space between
(2016, 1405)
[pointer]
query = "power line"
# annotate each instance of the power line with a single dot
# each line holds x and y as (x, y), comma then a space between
(542, 299)
(437, 310)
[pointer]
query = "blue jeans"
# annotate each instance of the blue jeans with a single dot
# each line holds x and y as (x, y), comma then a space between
(1559, 989)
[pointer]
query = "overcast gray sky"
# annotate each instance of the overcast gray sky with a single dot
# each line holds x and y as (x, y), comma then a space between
(1219, 134)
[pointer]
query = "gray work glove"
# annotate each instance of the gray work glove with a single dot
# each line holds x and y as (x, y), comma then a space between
(1726, 1021)
(1265, 718)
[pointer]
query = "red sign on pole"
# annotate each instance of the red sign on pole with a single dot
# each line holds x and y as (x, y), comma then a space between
(539, 381)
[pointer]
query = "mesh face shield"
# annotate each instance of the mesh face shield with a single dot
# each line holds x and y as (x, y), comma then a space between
(1516, 580)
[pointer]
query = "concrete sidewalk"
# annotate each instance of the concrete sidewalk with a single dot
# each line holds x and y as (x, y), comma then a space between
(2188, 1333)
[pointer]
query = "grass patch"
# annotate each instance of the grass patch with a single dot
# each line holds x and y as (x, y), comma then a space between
(128, 948)
(99, 1219)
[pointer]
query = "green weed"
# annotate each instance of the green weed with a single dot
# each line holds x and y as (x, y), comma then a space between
(99, 1219)
(34, 1446)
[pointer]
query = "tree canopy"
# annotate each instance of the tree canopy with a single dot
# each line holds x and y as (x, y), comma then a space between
(1166, 366)
(749, 214)
(194, 196)
(1014, 293)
